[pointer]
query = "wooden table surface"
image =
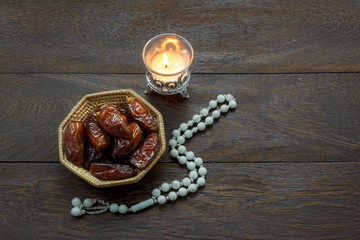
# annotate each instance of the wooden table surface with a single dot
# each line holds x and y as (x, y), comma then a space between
(284, 165)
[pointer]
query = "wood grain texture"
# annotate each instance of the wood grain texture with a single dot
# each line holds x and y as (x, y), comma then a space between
(283, 165)
(280, 117)
(228, 36)
(240, 201)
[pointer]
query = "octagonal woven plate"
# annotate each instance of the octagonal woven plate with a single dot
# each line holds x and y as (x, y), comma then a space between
(90, 103)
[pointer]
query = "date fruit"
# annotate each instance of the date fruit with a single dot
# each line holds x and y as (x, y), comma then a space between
(114, 171)
(124, 111)
(91, 155)
(105, 105)
(74, 142)
(143, 156)
(141, 115)
(111, 121)
(123, 147)
(97, 137)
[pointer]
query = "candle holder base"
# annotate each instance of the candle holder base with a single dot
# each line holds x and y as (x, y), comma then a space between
(147, 90)
(185, 93)
(168, 88)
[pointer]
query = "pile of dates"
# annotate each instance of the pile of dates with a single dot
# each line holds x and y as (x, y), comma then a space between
(115, 142)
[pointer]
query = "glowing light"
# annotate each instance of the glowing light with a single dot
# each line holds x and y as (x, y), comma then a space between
(165, 60)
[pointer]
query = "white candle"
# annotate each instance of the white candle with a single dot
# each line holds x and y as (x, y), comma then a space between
(168, 63)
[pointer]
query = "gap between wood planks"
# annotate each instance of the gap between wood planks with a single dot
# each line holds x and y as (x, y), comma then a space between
(255, 162)
(193, 73)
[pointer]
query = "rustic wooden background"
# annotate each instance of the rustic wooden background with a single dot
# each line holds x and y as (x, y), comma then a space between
(283, 165)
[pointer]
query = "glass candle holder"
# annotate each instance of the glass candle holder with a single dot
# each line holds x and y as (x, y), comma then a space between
(168, 58)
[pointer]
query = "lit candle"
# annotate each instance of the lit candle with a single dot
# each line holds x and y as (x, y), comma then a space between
(168, 63)
(168, 58)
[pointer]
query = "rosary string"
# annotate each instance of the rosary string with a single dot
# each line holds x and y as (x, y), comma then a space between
(175, 189)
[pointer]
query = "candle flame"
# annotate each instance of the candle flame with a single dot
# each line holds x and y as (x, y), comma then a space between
(165, 60)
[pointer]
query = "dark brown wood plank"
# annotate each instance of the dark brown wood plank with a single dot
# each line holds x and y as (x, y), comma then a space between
(240, 201)
(280, 117)
(228, 36)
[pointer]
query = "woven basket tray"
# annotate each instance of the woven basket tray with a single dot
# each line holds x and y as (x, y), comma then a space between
(90, 103)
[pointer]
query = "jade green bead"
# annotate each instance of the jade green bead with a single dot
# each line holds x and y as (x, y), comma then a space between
(180, 139)
(201, 181)
(188, 134)
(209, 120)
(216, 113)
(229, 97)
(190, 165)
(123, 209)
(172, 143)
(161, 199)
(204, 112)
(192, 188)
(196, 118)
(190, 155)
(193, 175)
(182, 160)
(186, 182)
(174, 153)
(202, 171)
(114, 208)
(172, 196)
(175, 184)
(220, 98)
(183, 126)
(198, 161)
(76, 202)
(182, 149)
(88, 202)
(232, 104)
(156, 192)
(212, 104)
(201, 126)
(182, 192)
(165, 187)
(176, 133)
(76, 212)
(224, 108)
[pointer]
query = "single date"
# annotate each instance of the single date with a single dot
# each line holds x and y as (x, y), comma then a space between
(74, 142)
(113, 122)
(141, 115)
(144, 155)
(114, 171)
